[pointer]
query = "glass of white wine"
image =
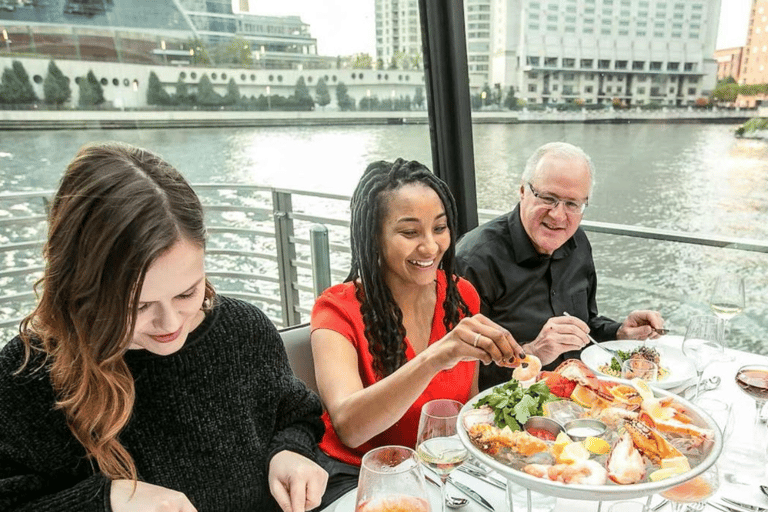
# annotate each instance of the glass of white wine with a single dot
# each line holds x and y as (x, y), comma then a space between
(727, 299)
(437, 443)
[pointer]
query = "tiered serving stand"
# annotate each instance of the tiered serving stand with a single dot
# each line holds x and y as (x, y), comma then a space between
(609, 491)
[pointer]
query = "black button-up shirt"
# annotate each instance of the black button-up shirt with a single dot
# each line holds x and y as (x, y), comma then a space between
(521, 289)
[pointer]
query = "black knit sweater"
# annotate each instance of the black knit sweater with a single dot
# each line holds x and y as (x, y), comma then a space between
(206, 422)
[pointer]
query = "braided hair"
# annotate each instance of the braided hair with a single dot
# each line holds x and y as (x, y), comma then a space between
(382, 317)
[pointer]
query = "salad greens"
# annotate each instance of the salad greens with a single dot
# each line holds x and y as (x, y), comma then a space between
(513, 404)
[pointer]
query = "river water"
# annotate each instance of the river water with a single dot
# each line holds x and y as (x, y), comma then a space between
(693, 178)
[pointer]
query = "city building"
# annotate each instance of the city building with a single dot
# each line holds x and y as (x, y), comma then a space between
(158, 31)
(590, 51)
(598, 51)
(398, 34)
(754, 63)
(729, 63)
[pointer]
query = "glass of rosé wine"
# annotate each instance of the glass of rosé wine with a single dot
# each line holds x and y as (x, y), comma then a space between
(753, 380)
(391, 480)
(697, 490)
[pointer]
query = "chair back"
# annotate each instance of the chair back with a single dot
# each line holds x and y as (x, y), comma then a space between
(299, 350)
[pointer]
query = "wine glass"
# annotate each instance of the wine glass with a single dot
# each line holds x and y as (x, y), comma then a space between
(391, 478)
(727, 298)
(753, 380)
(695, 490)
(720, 410)
(437, 444)
(702, 344)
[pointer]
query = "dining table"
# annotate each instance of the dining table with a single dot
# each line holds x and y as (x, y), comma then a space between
(742, 469)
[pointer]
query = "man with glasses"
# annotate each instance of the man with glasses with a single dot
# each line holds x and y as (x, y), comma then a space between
(533, 266)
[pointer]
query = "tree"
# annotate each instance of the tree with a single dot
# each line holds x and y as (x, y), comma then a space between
(322, 93)
(418, 97)
(205, 93)
(726, 93)
(156, 93)
(56, 86)
(91, 92)
(343, 99)
(182, 96)
(15, 86)
(510, 101)
(233, 93)
(301, 95)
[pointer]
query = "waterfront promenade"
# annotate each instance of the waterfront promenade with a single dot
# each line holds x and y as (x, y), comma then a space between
(122, 119)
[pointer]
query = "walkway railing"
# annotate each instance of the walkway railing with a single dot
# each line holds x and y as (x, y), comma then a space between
(274, 247)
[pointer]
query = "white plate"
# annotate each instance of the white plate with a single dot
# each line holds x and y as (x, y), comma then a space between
(609, 491)
(680, 368)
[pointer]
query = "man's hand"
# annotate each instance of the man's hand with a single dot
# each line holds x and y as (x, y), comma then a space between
(296, 482)
(560, 334)
(640, 325)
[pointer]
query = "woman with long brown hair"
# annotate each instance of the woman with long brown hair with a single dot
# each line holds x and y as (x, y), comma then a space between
(132, 385)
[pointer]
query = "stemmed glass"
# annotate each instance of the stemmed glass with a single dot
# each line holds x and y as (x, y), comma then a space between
(695, 490)
(720, 410)
(727, 299)
(702, 344)
(437, 443)
(753, 380)
(391, 478)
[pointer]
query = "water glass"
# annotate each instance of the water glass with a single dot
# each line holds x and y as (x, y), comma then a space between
(702, 344)
(640, 369)
(391, 477)
(522, 499)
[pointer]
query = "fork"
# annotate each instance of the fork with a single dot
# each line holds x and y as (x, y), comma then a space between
(695, 507)
(612, 352)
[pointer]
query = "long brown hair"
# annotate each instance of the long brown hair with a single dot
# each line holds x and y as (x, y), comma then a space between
(117, 209)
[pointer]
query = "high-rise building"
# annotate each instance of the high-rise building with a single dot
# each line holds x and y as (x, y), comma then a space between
(398, 34)
(754, 63)
(598, 51)
(593, 51)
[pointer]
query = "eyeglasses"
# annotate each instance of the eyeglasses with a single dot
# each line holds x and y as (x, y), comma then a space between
(550, 202)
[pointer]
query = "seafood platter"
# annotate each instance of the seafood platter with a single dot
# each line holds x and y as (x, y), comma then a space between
(572, 434)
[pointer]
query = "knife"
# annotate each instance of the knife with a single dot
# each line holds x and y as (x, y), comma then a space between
(483, 477)
(471, 494)
(747, 506)
(721, 508)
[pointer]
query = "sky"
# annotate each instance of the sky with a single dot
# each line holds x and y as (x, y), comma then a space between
(345, 27)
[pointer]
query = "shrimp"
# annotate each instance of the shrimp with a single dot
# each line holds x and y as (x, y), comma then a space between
(529, 368)
(625, 464)
(587, 472)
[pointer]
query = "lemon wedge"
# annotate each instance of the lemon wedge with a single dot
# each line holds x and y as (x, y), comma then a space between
(680, 462)
(661, 474)
(642, 388)
(596, 445)
(573, 452)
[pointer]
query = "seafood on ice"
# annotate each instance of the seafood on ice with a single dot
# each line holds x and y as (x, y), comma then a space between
(645, 434)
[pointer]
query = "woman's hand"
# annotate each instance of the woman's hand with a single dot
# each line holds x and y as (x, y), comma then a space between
(296, 482)
(146, 498)
(479, 338)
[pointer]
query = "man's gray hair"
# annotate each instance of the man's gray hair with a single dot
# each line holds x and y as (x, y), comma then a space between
(561, 150)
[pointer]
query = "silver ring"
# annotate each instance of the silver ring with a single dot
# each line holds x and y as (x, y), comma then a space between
(477, 338)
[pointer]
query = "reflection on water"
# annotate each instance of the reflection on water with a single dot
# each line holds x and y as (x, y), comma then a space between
(685, 177)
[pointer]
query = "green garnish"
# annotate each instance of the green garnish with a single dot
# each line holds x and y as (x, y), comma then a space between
(616, 364)
(513, 404)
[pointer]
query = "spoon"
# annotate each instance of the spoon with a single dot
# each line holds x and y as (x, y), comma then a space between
(450, 501)
(708, 385)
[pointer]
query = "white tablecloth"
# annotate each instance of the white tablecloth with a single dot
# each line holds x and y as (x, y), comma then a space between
(739, 474)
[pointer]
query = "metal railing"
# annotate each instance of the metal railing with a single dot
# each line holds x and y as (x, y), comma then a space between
(266, 245)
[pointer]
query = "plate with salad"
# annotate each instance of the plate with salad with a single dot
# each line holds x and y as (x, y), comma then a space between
(675, 369)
